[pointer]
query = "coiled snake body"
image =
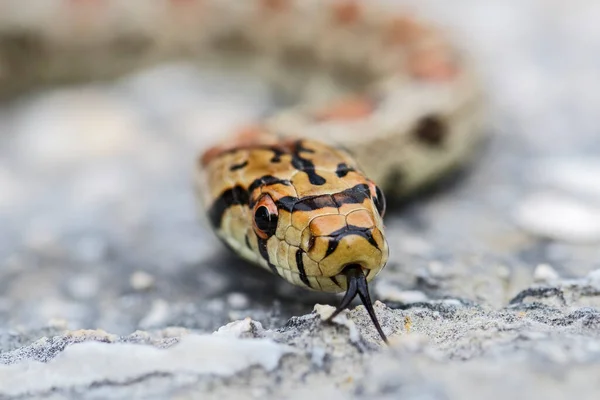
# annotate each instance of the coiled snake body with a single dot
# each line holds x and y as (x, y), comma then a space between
(381, 96)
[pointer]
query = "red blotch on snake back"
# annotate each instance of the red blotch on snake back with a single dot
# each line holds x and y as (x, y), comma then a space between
(347, 110)
(347, 12)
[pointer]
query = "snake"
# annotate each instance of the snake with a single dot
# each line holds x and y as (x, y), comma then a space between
(384, 102)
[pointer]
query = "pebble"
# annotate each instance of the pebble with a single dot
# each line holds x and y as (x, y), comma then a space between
(141, 280)
(243, 328)
(559, 217)
(238, 301)
(388, 291)
(545, 273)
(325, 311)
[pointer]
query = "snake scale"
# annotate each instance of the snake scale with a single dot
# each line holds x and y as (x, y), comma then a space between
(384, 103)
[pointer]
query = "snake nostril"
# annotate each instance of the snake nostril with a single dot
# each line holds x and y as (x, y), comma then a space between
(311, 243)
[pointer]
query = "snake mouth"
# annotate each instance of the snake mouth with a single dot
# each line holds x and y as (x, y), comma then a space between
(357, 285)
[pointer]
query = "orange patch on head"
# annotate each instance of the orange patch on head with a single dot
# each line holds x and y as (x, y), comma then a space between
(348, 110)
(347, 12)
(434, 64)
(360, 218)
(324, 225)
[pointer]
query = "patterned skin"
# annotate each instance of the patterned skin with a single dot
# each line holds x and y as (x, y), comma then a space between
(323, 213)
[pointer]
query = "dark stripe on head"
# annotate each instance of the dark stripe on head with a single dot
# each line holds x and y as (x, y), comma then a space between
(315, 203)
(264, 252)
(333, 244)
(235, 167)
(343, 169)
(337, 236)
(265, 181)
(277, 154)
(334, 280)
(305, 165)
(230, 197)
(300, 265)
(354, 195)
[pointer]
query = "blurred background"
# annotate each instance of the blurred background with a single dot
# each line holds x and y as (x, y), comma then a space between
(98, 223)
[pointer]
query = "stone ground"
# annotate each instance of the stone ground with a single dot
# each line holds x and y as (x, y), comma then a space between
(110, 288)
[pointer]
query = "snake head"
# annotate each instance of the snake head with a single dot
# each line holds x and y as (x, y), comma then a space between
(337, 240)
(302, 209)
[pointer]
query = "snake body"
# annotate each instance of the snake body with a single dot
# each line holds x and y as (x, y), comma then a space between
(383, 98)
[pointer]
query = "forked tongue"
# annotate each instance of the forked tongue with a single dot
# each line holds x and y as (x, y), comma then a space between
(357, 284)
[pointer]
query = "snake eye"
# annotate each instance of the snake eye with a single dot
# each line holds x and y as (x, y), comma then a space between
(380, 201)
(378, 198)
(265, 217)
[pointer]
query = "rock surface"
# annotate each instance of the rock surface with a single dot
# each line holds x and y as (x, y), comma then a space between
(492, 290)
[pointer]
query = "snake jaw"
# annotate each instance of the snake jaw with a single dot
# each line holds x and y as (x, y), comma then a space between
(357, 285)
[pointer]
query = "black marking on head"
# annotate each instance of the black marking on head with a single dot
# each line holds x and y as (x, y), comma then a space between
(241, 165)
(431, 131)
(333, 244)
(301, 149)
(305, 165)
(354, 195)
(277, 154)
(379, 201)
(247, 240)
(343, 169)
(334, 280)
(301, 270)
(264, 252)
(266, 181)
(311, 243)
(315, 203)
(337, 236)
(230, 197)
(287, 203)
